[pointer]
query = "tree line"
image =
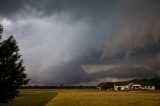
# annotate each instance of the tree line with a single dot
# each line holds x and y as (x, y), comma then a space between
(58, 87)
(151, 81)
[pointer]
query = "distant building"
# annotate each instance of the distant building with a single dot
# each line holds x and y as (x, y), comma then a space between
(99, 88)
(133, 86)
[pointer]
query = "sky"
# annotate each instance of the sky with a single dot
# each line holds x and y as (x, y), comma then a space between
(85, 42)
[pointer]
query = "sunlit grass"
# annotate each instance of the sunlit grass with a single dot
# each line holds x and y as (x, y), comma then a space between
(85, 97)
(101, 98)
(28, 97)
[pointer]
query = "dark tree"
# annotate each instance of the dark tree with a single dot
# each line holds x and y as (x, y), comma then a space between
(156, 82)
(12, 74)
(106, 85)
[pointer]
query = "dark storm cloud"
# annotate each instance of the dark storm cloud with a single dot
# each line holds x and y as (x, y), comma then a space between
(49, 6)
(67, 74)
(57, 37)
(126, 72)
(10, 7)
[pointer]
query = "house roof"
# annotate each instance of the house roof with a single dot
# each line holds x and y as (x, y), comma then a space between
(136, 85)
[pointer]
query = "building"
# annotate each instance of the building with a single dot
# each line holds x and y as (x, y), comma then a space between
(99, 88)
(133, 86)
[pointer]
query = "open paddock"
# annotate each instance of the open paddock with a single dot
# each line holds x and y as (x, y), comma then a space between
(85, 97)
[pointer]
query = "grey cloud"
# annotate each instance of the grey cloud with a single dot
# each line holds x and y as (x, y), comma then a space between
(52, 58)
(10, 7)
(125, 72)
(153, 63)
(57, 37)
(137, 27)
(66, 73)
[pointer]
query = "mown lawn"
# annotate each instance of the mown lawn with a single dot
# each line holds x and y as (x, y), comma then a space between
(104, 98)
(32, 97)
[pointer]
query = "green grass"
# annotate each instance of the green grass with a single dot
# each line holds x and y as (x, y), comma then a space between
(32, 98)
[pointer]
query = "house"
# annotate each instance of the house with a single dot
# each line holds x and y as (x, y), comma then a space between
(134, 86)
(126, 86)
(99, 88)
(148, 86)
(121, 86)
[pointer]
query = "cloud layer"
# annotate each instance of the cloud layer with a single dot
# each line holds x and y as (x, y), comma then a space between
(75, 41)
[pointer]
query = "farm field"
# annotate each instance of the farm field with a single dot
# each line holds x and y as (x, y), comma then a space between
(32, 97)
(104, 98)
(63, 97)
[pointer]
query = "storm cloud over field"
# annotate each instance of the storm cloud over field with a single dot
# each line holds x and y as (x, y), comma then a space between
(85, 41)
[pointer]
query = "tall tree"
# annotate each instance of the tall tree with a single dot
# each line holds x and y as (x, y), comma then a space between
(12, 74)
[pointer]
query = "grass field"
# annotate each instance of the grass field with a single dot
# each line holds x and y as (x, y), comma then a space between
(30, 97)
(95, 98)
(48, 97)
